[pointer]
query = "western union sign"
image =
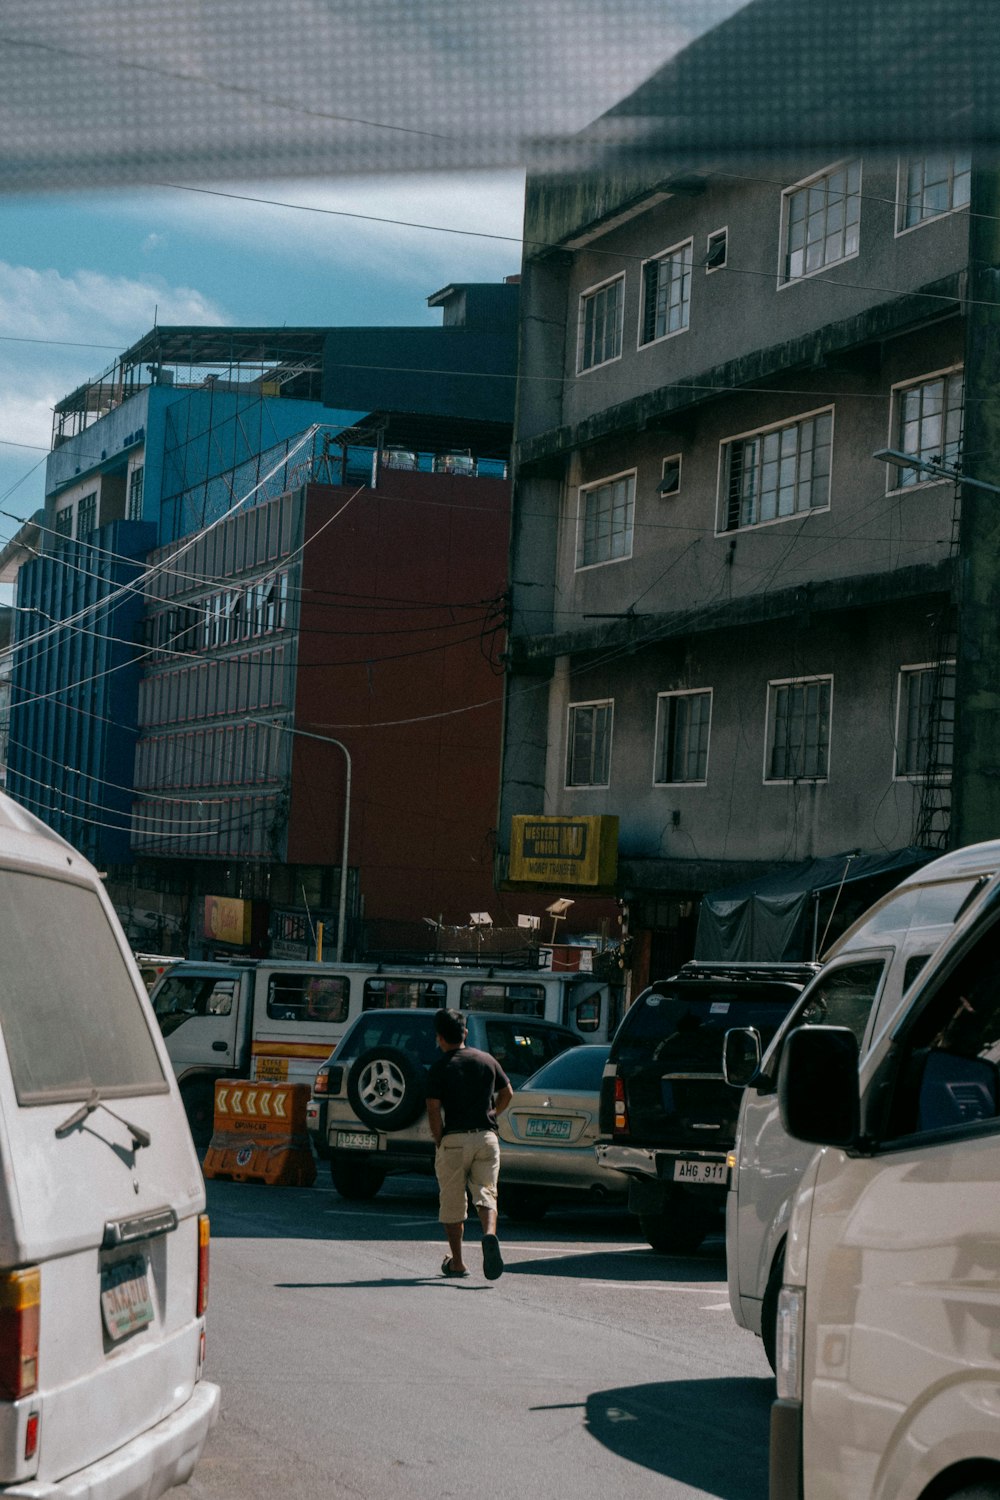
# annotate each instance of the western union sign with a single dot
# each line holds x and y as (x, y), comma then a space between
(564, 851)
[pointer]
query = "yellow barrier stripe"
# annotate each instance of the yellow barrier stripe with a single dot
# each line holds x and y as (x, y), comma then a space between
(291, 1049)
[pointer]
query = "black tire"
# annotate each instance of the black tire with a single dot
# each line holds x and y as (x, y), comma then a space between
(525, 1205)
(769, 1308)
(199, 1105)
(983, 1489)
(356, 1180)
(673, 1232)
(387, 1089)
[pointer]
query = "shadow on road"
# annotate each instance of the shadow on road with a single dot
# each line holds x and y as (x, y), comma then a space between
(688, 1431)
(626, 1265)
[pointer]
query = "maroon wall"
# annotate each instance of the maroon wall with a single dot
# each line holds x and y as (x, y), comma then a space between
(396, 625)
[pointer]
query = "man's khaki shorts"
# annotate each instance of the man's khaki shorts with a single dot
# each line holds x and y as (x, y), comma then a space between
(467, 1159)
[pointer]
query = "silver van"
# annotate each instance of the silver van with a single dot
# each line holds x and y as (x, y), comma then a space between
(861, 986)
(103, 1238)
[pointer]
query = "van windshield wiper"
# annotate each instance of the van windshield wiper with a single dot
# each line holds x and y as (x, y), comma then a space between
(140, 1137)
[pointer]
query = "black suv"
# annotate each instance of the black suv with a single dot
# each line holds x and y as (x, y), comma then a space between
(668, 1117)
(367, 1113)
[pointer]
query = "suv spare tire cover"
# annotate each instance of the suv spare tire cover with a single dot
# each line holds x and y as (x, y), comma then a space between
(387, 1088)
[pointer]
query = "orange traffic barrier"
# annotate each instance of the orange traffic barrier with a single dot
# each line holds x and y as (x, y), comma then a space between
(260, 1135)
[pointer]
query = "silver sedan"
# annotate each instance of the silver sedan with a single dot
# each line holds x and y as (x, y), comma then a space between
(547, 1138)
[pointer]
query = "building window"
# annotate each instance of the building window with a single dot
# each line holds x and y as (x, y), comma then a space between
(601, 317)
(588, 752)
(930, 186)
(925, 721)
(670, 481)
(821, 221)
(717, 250)
(682, 728)
(928, 423)
(86, 515)
(135, 494)
(605, 521)
(777, 473)
(63, 524)
(799, 730)
(666, 294)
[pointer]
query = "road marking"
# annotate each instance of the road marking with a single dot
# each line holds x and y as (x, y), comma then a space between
(651, 1286)
(715, 1307)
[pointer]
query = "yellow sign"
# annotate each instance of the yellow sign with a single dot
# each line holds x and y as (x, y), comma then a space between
(564, 851)
(228, 920)
(274, 1069)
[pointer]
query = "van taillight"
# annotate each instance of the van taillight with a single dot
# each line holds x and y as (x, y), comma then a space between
(20, 1299)
(203, 1238)
(621, 1113)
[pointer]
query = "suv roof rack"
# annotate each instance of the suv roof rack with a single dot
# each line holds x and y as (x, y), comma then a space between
(796, 973)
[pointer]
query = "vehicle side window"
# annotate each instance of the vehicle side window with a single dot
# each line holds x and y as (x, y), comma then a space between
(308, 997)
(186, 995)
(949, 1072)
(587, 1010)
(844, 997)
(511, 999)
(413, 994)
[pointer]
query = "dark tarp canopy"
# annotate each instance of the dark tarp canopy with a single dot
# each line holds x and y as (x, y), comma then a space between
(796, 913)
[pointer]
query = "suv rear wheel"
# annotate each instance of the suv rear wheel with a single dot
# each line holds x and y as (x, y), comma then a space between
(356, 1180)
(387, 1088)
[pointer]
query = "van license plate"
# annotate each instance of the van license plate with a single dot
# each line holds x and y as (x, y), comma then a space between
(357, 1140)
(553, 1130)
(700, 1171)
(125, 1301)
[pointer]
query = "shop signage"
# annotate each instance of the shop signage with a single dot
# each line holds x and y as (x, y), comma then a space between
(228, 920)
(564, 851)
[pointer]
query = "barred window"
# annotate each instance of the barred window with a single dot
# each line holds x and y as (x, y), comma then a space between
(666, 294)
(925, 720)
(601, 316)
(63, 525)
(781, 472)
(588, 753)
(605, 521)
(822, 220)
(933, 185)
(799, 739)
(682, 729)
(135, 494)
(86, 514)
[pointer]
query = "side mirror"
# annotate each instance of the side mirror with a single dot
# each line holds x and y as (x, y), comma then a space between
(818, 1091)
(740, 1056)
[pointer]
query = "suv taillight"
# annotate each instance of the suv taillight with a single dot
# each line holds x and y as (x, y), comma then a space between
(203, 1239)
(321, 1083)
(621, 1113)
(20, 1299)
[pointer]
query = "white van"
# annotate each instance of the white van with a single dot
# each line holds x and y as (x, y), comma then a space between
(103, 1239)
(888, 1345)
(861, 986)
(279, 1019)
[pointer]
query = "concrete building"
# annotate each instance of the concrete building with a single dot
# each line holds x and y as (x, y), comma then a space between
(734, 628)
(185, 427)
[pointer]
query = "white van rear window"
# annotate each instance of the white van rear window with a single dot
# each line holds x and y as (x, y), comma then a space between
(70, 1017)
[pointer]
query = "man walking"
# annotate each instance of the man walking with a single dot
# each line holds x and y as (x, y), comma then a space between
(466, 1090)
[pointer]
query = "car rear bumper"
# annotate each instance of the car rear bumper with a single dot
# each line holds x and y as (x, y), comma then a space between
(145, 1468)
(574, 1168)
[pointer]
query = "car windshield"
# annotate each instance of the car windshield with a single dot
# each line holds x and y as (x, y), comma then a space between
(579, 1069)
(411, 1032)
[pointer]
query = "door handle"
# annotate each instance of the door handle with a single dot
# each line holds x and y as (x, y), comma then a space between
(220, 1046)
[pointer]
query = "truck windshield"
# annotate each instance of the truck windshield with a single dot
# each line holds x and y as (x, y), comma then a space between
(70, 1016)
(181, 996)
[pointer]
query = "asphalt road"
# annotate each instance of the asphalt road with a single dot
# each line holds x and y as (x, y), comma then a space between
(593, 1369)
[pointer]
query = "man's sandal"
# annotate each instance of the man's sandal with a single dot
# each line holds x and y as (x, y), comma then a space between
(447, 1269)
(492, 1259)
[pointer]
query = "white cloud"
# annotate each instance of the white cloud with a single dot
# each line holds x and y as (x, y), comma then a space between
(80, 322)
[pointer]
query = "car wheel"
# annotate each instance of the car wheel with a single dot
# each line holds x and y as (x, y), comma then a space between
(387, 1089)
(356, 1180)
(199, 1106)
(985, 1489)
(769, 1308)
(673, 1233)
(524, 1205)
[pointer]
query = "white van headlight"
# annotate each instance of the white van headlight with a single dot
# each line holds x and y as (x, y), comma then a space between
(788, 1344)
